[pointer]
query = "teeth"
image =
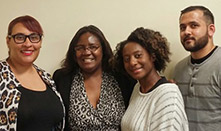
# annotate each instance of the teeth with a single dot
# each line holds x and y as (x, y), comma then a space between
(88, 60)
(136, 70)
(26, 51)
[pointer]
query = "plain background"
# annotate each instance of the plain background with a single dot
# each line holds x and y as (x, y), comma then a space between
(60, 19)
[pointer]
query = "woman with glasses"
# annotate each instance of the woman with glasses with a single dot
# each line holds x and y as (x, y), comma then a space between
(28, 97)
(91, 95)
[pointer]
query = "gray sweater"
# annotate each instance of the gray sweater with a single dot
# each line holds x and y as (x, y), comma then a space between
(200, 85)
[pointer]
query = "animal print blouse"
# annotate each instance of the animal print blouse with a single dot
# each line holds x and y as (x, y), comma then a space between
(110, 108)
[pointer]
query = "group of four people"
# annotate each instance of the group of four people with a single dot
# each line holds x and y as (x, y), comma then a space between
(97, 89)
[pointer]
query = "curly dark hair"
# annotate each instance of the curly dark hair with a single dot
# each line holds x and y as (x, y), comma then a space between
(69, 64)
(154, 43)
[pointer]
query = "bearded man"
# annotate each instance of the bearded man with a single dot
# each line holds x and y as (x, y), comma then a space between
(199, 74)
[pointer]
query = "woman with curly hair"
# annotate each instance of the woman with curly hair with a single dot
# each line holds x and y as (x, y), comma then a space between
(155, 104)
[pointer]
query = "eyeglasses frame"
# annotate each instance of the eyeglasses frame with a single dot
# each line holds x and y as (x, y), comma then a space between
(26, 36)
(87, 48)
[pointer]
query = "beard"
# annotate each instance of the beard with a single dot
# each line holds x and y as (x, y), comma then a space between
(197, 45)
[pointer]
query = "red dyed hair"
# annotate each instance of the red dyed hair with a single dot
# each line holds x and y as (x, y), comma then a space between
(29, 22)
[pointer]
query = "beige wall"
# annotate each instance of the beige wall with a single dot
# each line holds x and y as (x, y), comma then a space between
(60, 20)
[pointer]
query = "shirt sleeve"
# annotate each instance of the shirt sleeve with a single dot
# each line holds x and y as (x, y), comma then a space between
(169, 113)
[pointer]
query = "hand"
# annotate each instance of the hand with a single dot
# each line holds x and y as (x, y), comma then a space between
(172, 81)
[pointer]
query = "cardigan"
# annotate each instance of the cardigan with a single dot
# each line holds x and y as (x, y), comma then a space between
(63, 81)
(10, 96)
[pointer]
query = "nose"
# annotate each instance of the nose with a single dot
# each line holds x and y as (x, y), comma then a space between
(187, 31)
(133, 61)
(86, 51)
(27, 42)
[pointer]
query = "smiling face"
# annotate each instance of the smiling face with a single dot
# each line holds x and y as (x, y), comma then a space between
(25, 53)
(193, 30)
(89, 53)
(137, 61)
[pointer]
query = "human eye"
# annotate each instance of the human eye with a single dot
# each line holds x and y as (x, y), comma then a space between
(19, 37)
(93, 47)
(35, 37)
(182, 27)
(138, 55)
(79, 48)
(194, 25)
(126, 59)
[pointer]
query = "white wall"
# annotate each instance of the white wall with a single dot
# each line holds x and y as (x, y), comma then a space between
(60, 20)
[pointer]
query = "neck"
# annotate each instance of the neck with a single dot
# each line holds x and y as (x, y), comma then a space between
(94, 74)
(204, 51)
(18, 68)
(149, 82)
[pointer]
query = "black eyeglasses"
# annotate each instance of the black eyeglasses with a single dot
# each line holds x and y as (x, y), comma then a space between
(91, 48)
(21, 38)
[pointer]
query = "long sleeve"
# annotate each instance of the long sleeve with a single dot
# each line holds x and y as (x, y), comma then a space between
(169, 113)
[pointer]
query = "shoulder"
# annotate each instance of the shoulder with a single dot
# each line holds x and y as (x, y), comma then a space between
(169, 106)
(61, 73)
(219, 49)
(109, 79)
(168, 87)
(6, 76)
(181, 67)
(3, 65)
(217, 53)
(183, 62)
(62, 78)
(46, 76)
(42, 72)
(168, 90)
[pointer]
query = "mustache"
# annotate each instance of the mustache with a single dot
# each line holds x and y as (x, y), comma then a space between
(188, 38)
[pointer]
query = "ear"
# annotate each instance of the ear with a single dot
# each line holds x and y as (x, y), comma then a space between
(40, 44)
(7, 40)
(211, 30)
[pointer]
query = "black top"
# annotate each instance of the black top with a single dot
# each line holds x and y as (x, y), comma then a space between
(162, 80)
(38, 110)
(198, 61)
(63, 81)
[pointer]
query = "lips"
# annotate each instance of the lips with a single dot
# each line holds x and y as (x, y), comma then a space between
(187, 38)
(136, 70)
(27, 53)
(87, 60)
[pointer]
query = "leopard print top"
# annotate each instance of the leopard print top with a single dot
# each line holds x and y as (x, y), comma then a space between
(10, 96)
(110, 108)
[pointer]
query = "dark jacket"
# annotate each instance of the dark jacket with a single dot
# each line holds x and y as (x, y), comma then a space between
(63, 81)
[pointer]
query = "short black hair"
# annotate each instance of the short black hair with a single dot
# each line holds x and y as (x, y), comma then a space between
(206, 12)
